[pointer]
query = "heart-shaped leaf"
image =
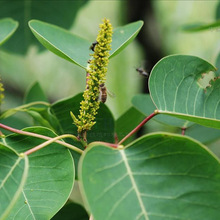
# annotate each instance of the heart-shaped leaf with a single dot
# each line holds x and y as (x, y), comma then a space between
(61, 13)
(7, 27)
(159, 176)
(76, 49)
(181, 86)
(50, 178)
(145, 105)
(14, 171)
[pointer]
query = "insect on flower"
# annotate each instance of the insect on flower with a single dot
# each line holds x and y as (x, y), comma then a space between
(92, 47)
(103, 91)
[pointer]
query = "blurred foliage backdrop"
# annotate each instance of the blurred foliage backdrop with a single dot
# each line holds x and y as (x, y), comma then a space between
(160, 36)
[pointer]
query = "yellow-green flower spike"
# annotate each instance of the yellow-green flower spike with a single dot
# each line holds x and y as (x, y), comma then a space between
(96, 76)
(1, 92)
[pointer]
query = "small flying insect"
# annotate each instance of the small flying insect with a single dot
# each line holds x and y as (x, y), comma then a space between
(142, 72)
(103, 91)
(92, 47)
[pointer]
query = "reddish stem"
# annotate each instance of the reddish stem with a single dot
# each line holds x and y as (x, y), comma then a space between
(14, 130)
(139, 126)
(183, 131)
(108, 144)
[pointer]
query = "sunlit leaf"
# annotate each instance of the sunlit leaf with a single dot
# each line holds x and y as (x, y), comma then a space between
(186, 87)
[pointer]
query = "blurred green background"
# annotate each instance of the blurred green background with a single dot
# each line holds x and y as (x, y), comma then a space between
(161, 35)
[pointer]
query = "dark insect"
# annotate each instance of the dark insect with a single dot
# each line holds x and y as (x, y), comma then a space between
(92, 47)
(142, 72)
(102, 93)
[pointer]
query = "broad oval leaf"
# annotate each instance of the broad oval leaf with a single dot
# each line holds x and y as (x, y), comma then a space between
(14, 171)
(7, 27)
(61, 42)
(76, 49)
(50, 178)
(156, 177)
(145, 105)
(181, 86)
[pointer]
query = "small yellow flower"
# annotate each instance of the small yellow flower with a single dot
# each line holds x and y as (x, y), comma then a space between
(1, 92)
(96, 75)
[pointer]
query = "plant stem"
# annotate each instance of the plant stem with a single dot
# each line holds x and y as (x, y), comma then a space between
(14, 130)
(52, 140)
(108, 144)
(183, 131)
(139, 126)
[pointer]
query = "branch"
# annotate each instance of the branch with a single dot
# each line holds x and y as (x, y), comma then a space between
(139, 126)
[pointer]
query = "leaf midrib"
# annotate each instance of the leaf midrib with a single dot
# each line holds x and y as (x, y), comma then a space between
(134, 184)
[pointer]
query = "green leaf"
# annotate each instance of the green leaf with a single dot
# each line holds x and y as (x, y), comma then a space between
(144, 104)
(61, 13)
(203, 134)
(50, 178)
(71, 211)
(180, 85)
(127, 122)
(35, 93)
(201, 26)
(14, 171)
(7, 28)
(159, 176)
(76, 49)
(61, 42)
(123, 36)
(103, 130)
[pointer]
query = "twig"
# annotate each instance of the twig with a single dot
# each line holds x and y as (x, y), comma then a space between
(14, 130)
(139, 126)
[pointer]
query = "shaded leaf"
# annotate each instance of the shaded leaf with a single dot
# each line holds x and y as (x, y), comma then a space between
(103, 130)
(71, 211)
(179, 87)
(49, 11)
(127, 122)
(201, 26)
(14, 171)
(157, 176)
(7, 28)
(35, 93)
(50, 178)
